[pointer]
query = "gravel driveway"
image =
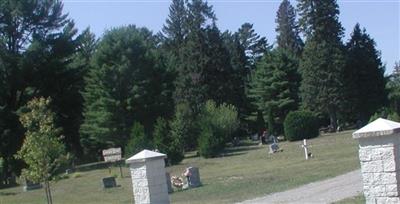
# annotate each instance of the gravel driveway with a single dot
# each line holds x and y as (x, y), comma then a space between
(326, 191)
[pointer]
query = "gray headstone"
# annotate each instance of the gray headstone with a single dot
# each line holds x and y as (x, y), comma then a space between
(109, 182)
(273, 148)
(31, 186)
(169, 185)
(194, 177)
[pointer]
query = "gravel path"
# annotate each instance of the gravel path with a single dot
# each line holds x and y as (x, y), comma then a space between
(326, 191)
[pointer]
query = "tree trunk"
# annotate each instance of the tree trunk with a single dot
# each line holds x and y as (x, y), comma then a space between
(332, 118)
(48, 192)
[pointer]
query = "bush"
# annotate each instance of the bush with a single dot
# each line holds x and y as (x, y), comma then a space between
(393, 116)
(137, 142)
(217, 125)
(1, 171)
(300, 125)
(168, 141)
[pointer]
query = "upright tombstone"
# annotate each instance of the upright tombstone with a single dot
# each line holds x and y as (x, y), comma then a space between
(148, 177)
(193, 177)
(379, 152)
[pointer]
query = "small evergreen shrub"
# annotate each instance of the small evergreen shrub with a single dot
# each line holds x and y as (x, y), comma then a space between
(167, 141)
(137, 142)
(300, 125)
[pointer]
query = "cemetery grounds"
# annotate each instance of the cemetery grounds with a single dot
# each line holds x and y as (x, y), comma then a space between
(240, 173)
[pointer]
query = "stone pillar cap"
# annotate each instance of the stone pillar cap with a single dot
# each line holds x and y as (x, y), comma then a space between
(379, 127)
(145, 155)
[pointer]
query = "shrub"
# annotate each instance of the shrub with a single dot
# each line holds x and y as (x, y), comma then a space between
(168, 141)
(300, 125)
(1, 170)
(217, 124)
(394, 117)
(76, 175)
(137, 141)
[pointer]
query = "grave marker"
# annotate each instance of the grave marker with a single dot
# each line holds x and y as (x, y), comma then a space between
(305, 147)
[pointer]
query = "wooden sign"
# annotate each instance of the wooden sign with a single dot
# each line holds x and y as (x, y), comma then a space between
(112, 154)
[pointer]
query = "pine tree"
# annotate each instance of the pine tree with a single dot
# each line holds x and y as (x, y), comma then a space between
(275, 87)
(124, 86)
(288, 32)
(254, 45)
(175, 28)
(393, 87)
(38, 41)
(364, 74)
(323, 61)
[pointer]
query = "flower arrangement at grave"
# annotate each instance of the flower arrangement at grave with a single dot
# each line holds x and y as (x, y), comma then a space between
(177, 181)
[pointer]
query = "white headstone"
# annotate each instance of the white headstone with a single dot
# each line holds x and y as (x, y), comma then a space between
(379, 153)
(148, 177)
(305, 147)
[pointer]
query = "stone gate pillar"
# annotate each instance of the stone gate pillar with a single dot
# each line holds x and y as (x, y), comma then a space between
(148, 177)
(379, 145)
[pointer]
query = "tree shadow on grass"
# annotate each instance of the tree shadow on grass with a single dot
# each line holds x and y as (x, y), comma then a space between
(8, 193)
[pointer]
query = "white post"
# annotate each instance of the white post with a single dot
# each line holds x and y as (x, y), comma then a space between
(305, 148)
(148, 178)
(379, 153)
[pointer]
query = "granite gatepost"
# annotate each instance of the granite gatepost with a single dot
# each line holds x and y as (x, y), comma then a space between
(148, 178)
(379, 146)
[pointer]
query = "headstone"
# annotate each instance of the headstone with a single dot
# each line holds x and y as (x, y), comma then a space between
(109, 182)
(254, 137)
(29, 185)
(193, 177)
(148, 177)
(169, 185)
(273, 148)
(379, 153)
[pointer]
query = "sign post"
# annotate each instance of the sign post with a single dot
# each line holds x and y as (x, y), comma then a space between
(113, 155)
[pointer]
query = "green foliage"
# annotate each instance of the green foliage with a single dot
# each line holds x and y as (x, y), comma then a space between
(393, 116)
(300, 125)
(1, 169)
(275, 87)
(76, 175)
(37, 43)
(323, 60)
(364, 77)
(287, 29)
(126, 83)
(137, 141)
(254, 45)
(42, 149)
(393, 88)
(217, 124)
(168, 142)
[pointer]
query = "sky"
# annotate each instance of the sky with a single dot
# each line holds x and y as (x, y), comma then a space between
(381, 18)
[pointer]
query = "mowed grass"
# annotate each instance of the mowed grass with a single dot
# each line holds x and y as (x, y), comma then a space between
(360, 199)
(241, 173)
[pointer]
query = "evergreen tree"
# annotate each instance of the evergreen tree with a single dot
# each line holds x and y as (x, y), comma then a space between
(393, 87)
(175, 28)
(124, 86)
(37, 44)
(364, 74)
(275, 87)
(288, 32)
(322, 62)
(254, 45)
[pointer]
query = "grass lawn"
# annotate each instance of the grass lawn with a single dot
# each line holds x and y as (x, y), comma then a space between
(243, 173)
(360, 199)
